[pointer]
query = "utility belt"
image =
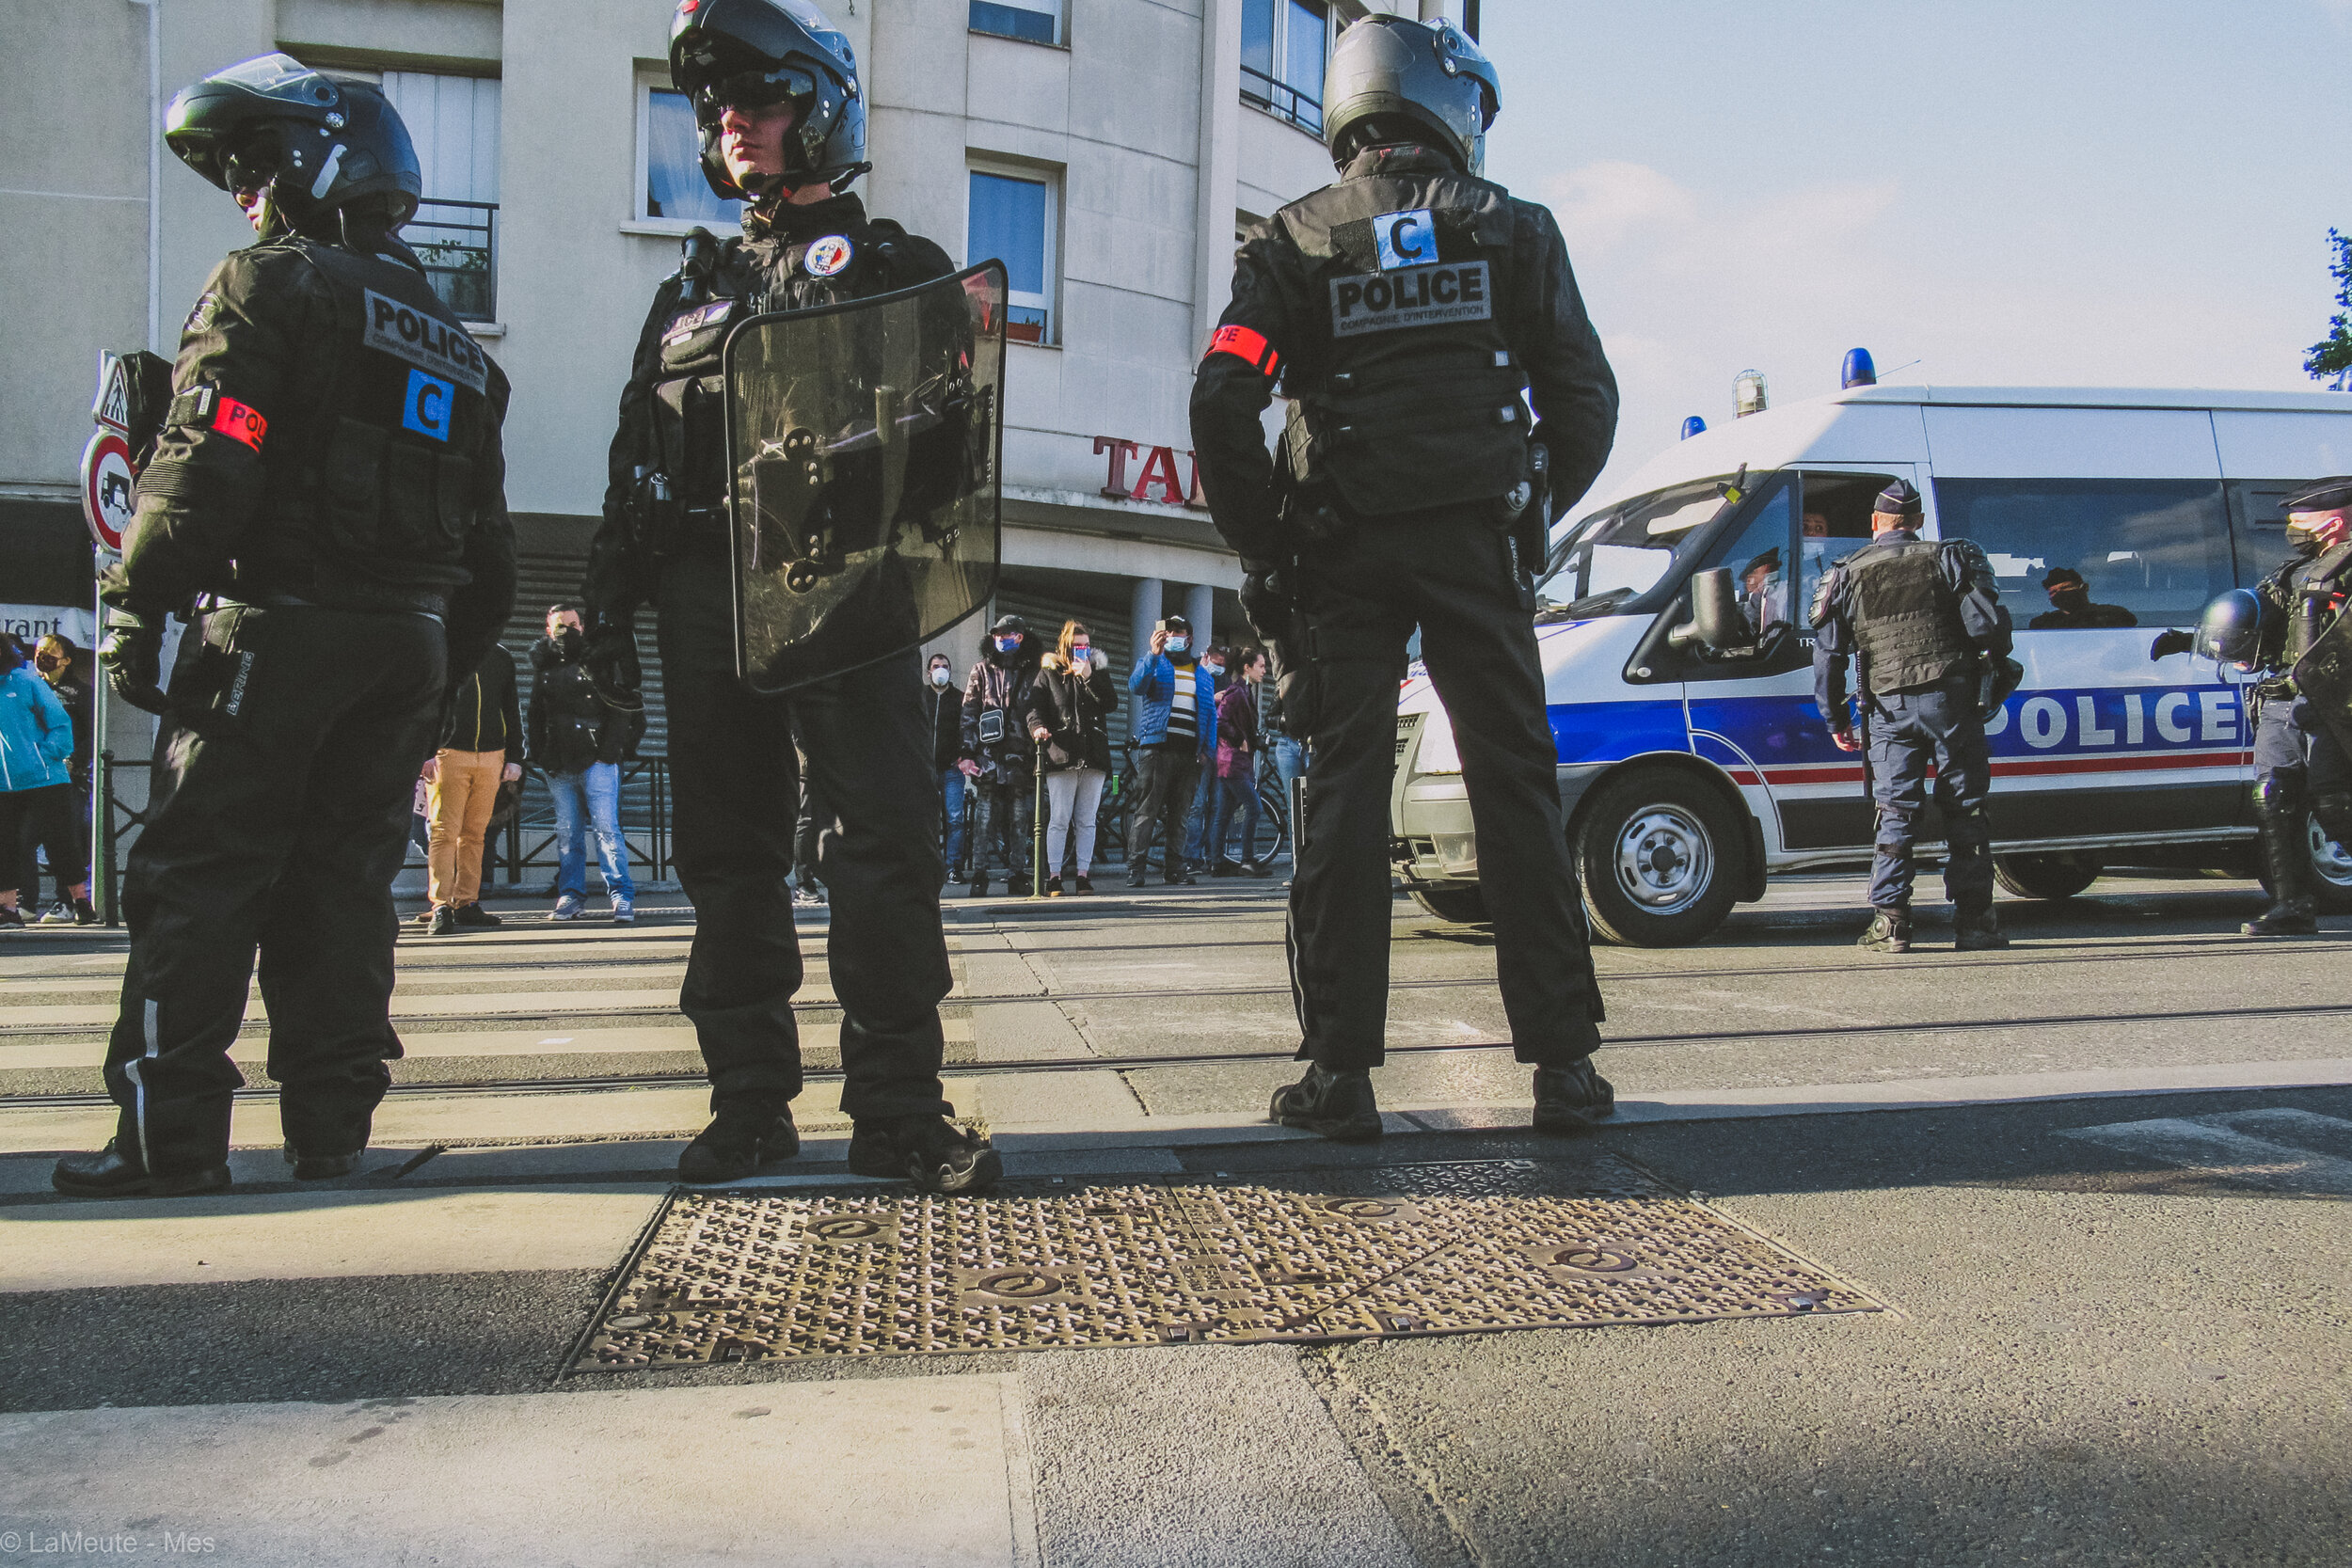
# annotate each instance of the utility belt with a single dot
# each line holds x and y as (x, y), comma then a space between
(663, 525)
(348, 595)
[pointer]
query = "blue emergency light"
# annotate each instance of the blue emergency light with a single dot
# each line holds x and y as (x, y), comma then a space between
(1858, 371)
(1694, 426)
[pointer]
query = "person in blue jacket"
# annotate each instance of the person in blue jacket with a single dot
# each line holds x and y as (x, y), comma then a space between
(1175, 734)
(36, 783)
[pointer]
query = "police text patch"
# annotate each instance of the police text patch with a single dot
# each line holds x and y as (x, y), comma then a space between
(425, 341)
(1423, 296)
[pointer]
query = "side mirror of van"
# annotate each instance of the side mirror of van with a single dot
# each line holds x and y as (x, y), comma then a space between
(1716, 629)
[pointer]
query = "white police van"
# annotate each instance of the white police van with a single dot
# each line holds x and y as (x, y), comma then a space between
(1688, 779)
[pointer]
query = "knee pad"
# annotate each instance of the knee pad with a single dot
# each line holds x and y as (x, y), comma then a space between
(2281, 794)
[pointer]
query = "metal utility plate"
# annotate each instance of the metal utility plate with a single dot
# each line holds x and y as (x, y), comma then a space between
(1301, 1256)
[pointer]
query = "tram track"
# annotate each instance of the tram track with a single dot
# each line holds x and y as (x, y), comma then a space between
(538, 1086)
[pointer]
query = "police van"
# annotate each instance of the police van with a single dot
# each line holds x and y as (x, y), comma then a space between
(1688, 779)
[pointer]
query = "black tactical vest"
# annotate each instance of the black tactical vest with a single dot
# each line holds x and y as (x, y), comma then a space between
(1408, 394)
(1906, 620)
(382, 487)
(2309, 613)
(750, 277)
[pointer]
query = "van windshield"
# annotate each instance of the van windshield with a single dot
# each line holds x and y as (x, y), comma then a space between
(1609, 562)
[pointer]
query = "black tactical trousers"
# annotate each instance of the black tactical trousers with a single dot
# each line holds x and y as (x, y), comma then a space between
(2300, 765)
(1908, 730)
(1447, 571)
(738, 796)
(279, 815)
(1003, 817)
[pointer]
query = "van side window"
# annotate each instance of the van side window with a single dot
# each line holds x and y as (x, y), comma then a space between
(1758, 555)
(2074, 554)
(1836, 523)
(2258, 524)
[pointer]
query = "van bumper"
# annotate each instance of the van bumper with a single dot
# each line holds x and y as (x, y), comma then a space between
(1435, 839)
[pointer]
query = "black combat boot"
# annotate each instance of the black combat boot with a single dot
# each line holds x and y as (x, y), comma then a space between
(1977, 930)
(308, 1166)
(1572, 1099)
(743, 1135)
(1339, 1105)
(979, 885)
(2287, 852)
(930, 1151)
(1889, 932)
(117, 1172)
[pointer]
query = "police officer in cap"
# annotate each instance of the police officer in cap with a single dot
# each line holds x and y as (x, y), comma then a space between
(326, 505)
(775, 90)
(2302, 772)
(1408, 312)
(1921, 619)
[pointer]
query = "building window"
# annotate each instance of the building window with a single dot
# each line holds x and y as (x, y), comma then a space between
(453, 122)
(671, 189)
(1038, 21)
(1283, 45)
(1012, 219)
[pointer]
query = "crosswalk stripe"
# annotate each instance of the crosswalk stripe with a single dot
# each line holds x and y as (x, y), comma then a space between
(2290, 1153)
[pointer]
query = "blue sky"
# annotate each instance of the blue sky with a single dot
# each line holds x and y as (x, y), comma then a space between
(2074, 193)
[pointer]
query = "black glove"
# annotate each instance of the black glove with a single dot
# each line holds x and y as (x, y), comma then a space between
(2178, 641)
(610, 665)
(1267, 599)
(133, 656)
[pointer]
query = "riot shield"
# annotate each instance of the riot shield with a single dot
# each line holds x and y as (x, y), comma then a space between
(864, 443)
(2323, 677)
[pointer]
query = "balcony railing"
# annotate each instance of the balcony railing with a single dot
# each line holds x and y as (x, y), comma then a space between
(1281, 100)
(457, 241)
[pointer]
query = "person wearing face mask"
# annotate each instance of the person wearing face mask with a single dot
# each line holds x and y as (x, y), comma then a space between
(944, 706)
(54, 659)
(578, 740)
(999, 756)
(2302, 761)
(775, 92)
(2071, 608)
(323, 505)
(1175, 736)
(1069, 717)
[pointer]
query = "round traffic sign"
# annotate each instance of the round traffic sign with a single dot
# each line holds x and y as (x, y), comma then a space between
(109, 496)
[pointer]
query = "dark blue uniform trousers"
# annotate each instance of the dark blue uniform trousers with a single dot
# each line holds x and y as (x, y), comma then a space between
(1910, 731)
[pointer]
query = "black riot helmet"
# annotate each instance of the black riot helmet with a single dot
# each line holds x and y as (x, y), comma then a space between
(317, 146)
(2230, 627)
(1393, 80)
(756, 53)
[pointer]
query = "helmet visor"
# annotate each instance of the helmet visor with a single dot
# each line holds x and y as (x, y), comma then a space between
(756, 89)
(283, 78)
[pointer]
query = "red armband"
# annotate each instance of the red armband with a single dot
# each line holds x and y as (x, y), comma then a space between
(240, 423)
(1243, 343)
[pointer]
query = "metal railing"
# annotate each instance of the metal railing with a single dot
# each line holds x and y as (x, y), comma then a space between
(457, 241)
(1280, 100)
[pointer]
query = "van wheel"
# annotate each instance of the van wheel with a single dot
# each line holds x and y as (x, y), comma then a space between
(1465, 906)
(1659, 855)
(2059, 876)
(2332, 874)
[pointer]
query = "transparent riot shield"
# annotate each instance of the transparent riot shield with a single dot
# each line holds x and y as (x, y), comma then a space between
(864, 440)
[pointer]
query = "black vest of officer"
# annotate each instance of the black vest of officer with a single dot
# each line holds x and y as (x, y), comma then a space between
(752, 276)
(1406, 394)
(2304, 592)
(382, 489)
(1906, 620)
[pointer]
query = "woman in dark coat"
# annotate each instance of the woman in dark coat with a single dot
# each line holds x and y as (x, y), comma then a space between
(1070, 713)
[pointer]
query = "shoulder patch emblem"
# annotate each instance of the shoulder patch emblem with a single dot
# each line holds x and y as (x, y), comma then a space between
(826, 256)
(207, 306)
(1830, 582)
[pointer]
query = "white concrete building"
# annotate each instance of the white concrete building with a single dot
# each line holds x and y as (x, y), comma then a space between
(1108, 148)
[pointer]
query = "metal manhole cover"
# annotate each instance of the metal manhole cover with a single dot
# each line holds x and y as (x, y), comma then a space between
(1404, 1249)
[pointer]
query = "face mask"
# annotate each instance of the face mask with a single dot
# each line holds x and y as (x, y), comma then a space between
(1178, 645)
(1216, 668)
(2302, 543)
(939, 675)
(567, 643)
(1006, 644)
(1079, 650)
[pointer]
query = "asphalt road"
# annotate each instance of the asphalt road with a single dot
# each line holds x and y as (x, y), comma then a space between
(2118, 1329)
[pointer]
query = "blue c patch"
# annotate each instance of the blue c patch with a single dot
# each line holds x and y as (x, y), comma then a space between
(428, 410)
(1406, 239)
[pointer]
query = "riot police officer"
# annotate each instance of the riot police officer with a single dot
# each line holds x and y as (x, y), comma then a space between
(775, 90)
(2302, 771)
(1922, 620)
(326, 505)
(1408, 312)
